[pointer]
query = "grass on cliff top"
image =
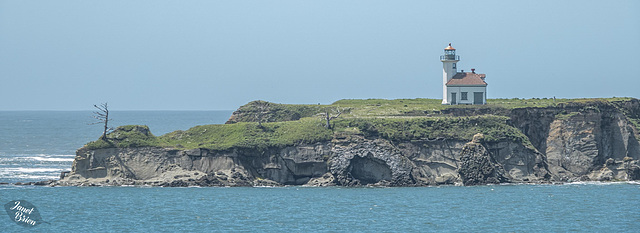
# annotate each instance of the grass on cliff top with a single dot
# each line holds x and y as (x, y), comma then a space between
(366, 108)
(395, 120)
(428, 107)
(127, 136)
(494, 128)
(248, 135)
(273, 112)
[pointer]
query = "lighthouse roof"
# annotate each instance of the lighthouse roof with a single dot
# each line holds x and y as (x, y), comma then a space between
(449, 47)
(467, 79)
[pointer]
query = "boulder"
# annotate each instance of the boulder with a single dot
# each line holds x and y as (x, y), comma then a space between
(478, 167)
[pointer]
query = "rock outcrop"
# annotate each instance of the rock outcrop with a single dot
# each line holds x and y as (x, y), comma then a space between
(477, 166)
(271, 112)
(350, 161)
(578, 144)
(572, 142)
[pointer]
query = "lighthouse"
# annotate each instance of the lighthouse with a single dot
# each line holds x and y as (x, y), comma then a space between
(461, 87)
(449, 61)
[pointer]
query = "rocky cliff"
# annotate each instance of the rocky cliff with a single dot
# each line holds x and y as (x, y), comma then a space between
(584, 142)
(348, 161)
(571, 142)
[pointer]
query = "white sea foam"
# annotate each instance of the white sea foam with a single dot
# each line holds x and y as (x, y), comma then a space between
(633, 182)
(28, 176)
(599, 182)
(34, 177)
(52, 159)
(40, 157)
(30, 170)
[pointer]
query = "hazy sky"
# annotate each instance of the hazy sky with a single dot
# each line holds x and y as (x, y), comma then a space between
(214, 55)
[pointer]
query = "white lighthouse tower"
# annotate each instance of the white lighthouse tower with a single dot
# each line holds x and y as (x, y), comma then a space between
(449, 60)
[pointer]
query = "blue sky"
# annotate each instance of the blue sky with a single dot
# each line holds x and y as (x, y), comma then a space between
(218, 55)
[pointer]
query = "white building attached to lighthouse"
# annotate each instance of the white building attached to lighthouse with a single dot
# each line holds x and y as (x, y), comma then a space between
(461, 87)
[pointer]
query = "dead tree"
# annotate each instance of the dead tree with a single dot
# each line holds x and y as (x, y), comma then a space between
(328, 117)
(262, 108)
(102, 115)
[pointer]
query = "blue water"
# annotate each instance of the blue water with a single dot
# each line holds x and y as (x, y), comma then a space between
(521, 208)
(36, 145)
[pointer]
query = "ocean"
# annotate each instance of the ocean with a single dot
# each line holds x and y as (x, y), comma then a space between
(38, 145)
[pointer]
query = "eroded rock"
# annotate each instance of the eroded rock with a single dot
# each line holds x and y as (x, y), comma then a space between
(478, 167)
(568, 143)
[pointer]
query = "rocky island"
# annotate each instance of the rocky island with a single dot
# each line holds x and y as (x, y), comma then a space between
(375, 142)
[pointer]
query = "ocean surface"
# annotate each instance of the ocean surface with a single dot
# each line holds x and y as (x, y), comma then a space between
(38, 145)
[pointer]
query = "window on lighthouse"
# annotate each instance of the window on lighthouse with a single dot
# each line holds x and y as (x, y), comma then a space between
(454, 66)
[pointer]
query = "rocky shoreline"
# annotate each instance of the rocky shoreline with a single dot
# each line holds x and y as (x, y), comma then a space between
(55, 183)
(572, 143)
(348, 161)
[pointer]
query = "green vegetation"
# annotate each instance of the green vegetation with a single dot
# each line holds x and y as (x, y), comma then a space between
(635, 122)
(631, 111)
(249, 135)
(396, 120)
(221, 137)
(494, 128)
(127, 136)
(263, 111)
(565, 116)
(431, 107)
(358, 108)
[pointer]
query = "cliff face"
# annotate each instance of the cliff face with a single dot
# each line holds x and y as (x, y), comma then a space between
(348, 161)
(568, 143)
(583, 142)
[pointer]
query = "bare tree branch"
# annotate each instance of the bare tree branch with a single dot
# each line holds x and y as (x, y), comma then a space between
(262, 108)
(336, 116)
(328, 117)
(103, 118)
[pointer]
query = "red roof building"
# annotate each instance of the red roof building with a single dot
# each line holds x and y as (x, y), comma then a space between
(461, 87)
